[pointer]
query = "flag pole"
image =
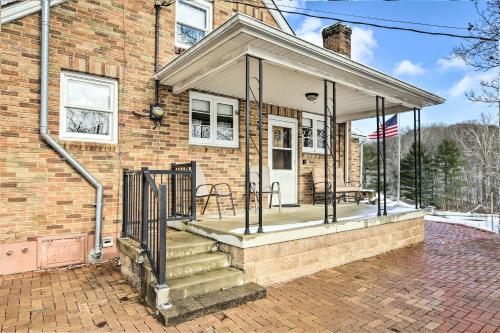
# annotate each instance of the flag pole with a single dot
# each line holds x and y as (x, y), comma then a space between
(399, 160)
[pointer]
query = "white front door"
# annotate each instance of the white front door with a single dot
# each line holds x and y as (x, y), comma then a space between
(282, 156)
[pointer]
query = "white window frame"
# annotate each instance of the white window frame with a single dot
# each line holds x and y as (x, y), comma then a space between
(201, 4)
(112, 138)
(213, 100)
(314, 117)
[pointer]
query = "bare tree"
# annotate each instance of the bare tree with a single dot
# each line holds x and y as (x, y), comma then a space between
(482, 54)
(479, 145)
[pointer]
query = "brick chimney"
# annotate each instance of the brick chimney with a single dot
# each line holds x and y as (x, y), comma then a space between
(337, 38)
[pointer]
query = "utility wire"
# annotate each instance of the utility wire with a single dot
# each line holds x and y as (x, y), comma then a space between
(377, 18)
(370, 24)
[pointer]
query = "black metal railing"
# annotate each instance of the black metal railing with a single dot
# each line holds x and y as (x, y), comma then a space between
(150, 199)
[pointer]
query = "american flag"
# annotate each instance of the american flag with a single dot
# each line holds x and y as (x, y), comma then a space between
(391, 128)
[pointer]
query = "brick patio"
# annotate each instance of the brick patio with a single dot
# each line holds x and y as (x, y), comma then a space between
(451, 283)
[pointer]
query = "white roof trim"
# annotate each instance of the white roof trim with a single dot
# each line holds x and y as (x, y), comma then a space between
(278, 16)
(241, 23)
(23, 8)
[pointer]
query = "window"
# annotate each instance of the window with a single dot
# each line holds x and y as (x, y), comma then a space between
(313, 133)
(193, 21)
(213, 120)
(89, 108)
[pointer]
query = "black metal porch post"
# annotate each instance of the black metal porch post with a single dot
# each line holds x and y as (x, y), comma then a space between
(325, 154)
(419, 163)
(247, 145)
(415, 155)
(260, 145)
(378, 156)
(383, 155)
(334, 155)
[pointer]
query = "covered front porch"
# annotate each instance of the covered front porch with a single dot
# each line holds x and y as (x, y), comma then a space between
(269, 70)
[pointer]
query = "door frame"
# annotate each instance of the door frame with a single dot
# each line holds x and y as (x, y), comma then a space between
(293, 123)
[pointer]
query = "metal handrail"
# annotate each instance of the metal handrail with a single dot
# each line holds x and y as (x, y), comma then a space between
(150, 199)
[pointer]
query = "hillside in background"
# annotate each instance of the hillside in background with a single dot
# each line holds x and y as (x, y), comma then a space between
(460, 165)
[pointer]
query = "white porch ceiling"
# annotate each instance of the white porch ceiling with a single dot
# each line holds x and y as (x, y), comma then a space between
(291, 68)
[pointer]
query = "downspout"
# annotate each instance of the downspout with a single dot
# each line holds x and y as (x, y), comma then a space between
(44, 133)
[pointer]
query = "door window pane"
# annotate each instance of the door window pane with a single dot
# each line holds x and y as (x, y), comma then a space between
(87, 121)
(225, 122)
(282, 137)
(282, 159)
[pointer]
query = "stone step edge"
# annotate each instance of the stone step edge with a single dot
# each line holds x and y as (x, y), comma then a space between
(198, 306)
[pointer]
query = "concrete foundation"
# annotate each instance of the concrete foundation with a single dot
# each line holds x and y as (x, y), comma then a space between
(327, 247)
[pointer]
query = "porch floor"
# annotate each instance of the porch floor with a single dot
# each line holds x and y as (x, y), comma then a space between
(292, 217)
(292, 223)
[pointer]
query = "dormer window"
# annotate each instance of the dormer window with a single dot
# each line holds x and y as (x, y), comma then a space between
(193, 22)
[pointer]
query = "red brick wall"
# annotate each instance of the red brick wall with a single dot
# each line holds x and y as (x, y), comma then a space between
(40, 194)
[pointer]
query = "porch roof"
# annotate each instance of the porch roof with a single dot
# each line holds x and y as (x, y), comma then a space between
(292, 67)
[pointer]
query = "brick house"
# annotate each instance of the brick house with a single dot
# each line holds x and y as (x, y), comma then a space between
(110, 61)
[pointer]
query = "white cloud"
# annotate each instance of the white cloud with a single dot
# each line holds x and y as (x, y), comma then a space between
(470, 81)
(310, 30)
(362, 45)
(446, 64)
(408, 67)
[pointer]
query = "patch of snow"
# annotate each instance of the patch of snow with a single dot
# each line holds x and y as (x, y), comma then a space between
(480, 221)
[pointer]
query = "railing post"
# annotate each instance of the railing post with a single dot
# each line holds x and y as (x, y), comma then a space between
(125, 204)
(162, 259)
(193, 190)
(145, 202)
(174, 191)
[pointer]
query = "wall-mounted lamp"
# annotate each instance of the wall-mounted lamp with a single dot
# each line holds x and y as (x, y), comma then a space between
(311, 96)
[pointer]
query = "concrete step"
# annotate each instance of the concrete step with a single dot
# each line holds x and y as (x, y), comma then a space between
(197, 306)
(182, 244)
(196, 264)
(202, 283)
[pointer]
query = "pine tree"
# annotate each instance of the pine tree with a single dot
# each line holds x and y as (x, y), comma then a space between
(448, 161)
(428, 176)
(370, 166)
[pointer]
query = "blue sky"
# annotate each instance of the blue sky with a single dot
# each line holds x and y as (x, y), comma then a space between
(415, 58)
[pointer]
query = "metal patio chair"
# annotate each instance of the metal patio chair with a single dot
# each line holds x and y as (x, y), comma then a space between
(219, 190)
(344, 190)
(267, 186)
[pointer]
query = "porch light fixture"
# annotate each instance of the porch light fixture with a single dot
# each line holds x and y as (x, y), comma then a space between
(311, 96)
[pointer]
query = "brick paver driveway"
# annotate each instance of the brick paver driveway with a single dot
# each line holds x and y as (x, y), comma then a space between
(451, 283)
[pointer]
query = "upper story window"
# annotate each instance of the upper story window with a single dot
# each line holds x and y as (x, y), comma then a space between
(88, 108)
(313, 133)
(213, 120)
(193, 21)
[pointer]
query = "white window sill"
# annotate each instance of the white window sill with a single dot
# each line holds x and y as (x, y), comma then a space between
(89, 140)
(215, 145)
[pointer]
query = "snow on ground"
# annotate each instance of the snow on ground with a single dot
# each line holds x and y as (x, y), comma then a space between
(480, 221)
